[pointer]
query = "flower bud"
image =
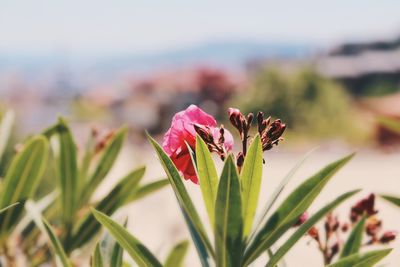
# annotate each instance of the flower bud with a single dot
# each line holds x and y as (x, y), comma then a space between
(345, 227)
(335, 249)
(236, 118)
(221, 139)
(204, 133)
(364, 206)
(240, 160)
(313, 232)
(388, 236)
(302, 219)
(250, 118)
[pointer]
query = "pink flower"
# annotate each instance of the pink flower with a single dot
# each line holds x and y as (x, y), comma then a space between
(182, 131)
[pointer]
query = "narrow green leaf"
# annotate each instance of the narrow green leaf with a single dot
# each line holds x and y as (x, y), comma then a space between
(111, 250)
(142, 256)
(65, 153)
(353, 243)
(392, 199)
(56, 244)
(8, 207)
(201, 248)
(273, 198)
(291, 209)
(6, 125)
(147, 189)
(177, 255)
(116, 256)
(22, 179)
(41, 205)
(228, 217)
(47, 230)
(87, 158)
(106, 162)
(97, 259)
(88, 226)
(303, 229)
(250, 178)
(207, 175)
(367, 259)
(185, 202)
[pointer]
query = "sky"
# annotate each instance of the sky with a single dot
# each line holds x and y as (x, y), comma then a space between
(133, 26)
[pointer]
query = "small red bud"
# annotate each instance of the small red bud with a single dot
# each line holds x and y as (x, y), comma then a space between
(313, 232)
(240, 159)
(388, 236)
(302, 219)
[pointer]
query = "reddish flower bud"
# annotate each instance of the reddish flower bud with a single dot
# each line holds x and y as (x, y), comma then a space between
(236, 118)
(388, 236)
(240, 159)
(250, 118)
(335, 249)
(313, 232)
(260, 122)
(204, 132)
(364, 206)
(302, 219)
(345, 227)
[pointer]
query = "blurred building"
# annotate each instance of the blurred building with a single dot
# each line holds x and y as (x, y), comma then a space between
(364, 68)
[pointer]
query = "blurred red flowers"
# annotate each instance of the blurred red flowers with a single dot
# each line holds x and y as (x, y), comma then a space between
(183, 131)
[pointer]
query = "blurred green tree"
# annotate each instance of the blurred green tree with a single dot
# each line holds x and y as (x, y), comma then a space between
(311, 105)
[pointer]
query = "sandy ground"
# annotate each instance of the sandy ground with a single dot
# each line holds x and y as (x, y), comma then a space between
(157, 221)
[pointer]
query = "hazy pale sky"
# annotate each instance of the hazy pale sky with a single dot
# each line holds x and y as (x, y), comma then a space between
(117, 26)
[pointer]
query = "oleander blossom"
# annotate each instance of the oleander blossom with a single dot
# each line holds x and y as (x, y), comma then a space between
(183, 131)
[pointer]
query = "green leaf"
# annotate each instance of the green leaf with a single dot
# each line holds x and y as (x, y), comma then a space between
(177, 255)
(111, 251)
(353, 243)
(207, 175)
(228, 217)
(291, 209)
(367, 259)
(6, 125)
(303, 229)
(197, 240)
(147, 189)
(65, 153)
(47, 230)
(271, 201)
(87, 158)
(392, 199)
(106, 162)
(191, 216)
(8, 207)
(142, 256)
(97, 259)
(56, 245)
(21, 179)
(88, 226)
(41, 205)
(250, 178)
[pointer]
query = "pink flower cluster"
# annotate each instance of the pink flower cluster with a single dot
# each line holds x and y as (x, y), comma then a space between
(182, 133)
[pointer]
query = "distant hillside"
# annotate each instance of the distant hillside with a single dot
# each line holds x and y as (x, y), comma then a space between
(228, 54)
(223, 54)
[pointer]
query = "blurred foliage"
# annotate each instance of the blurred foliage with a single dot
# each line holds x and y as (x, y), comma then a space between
(311, 105)
(381, 87)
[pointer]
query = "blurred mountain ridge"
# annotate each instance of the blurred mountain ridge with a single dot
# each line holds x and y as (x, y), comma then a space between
(225, 54)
